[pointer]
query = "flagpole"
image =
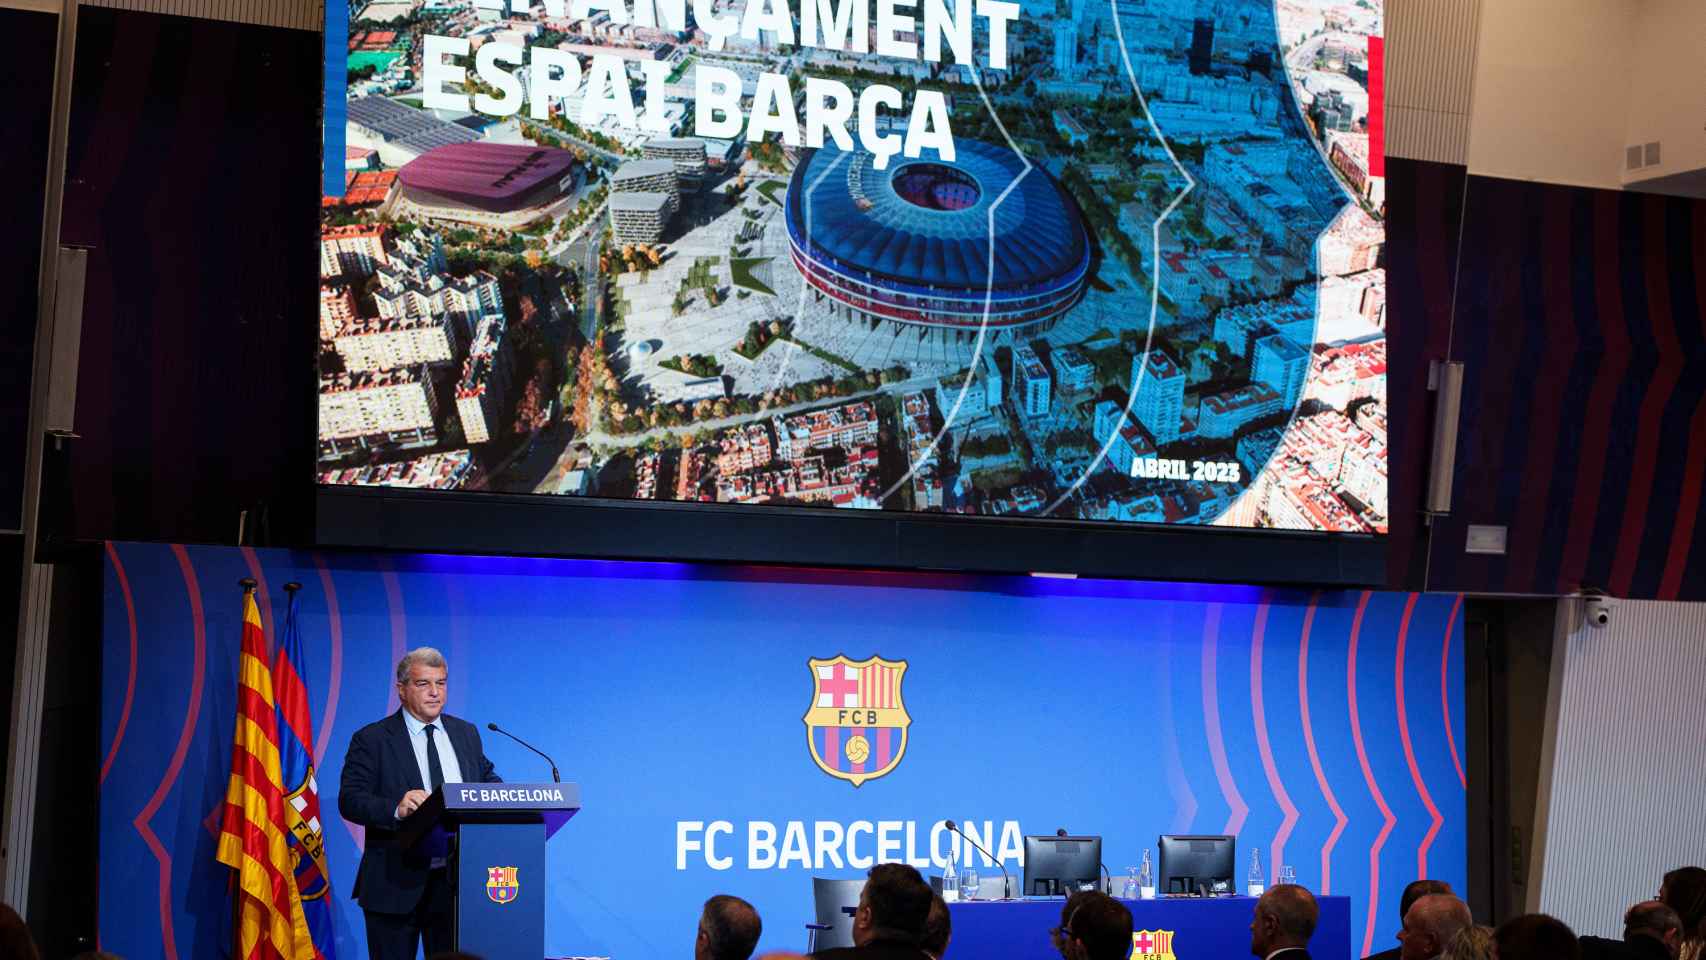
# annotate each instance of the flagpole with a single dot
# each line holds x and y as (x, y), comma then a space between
(236, 902)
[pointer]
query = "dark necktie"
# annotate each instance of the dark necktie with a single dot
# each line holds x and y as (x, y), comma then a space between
(435, 770)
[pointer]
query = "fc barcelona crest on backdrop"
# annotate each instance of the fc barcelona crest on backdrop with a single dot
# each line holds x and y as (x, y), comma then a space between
(856, 723)
(502, 885)
(1152, 945)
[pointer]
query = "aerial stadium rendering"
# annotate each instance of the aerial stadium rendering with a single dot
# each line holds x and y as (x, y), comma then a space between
(1147, 284)
(943, 245)
(485, 184)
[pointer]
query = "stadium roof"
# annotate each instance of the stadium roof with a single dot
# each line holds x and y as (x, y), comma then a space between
(858, 220)
(486, 175)
(404, 125)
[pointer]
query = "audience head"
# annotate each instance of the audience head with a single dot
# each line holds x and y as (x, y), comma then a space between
(1684, 891)
(1652, 918)
(1430, 924)
(1285, 917)
(1535, 937)
(1416, 890)
(15, 936)
(728, 930)
(1093, 926)
(895, 905)
(938, 929)
(1473, 942)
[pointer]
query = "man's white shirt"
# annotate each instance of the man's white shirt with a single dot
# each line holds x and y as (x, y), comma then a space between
(440, 740)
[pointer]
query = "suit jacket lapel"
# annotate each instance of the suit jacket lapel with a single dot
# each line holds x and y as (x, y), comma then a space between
(459, 743)
(403, 750)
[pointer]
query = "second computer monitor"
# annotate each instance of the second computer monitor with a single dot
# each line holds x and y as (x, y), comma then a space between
(1196, 864)
(1061, 865)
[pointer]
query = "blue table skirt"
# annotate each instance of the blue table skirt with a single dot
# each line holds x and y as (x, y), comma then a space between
(1215, 929)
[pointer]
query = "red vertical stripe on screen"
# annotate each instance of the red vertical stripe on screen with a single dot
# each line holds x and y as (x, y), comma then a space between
(832, 747)
(883, 747)
(1377, 106)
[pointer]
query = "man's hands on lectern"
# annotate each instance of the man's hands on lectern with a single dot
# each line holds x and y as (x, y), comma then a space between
(411, 802)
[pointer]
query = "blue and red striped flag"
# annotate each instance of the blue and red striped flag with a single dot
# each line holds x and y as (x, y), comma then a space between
(305, 830)
(252, 832)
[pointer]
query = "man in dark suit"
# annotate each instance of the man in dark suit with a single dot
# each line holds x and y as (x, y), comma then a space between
(1535, 936)
(1093, 926)
(889, 924)
(391, 768)
(1284, 922)
(1413, 891)
(1651, 931)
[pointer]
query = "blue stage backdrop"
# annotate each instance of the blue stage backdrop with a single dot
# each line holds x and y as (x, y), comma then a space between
(700, 710)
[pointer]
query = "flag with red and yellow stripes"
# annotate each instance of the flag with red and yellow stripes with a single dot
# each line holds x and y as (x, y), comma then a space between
(252, 833)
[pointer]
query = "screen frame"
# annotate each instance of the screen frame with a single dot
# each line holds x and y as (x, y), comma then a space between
(594, 527)
(543, 525)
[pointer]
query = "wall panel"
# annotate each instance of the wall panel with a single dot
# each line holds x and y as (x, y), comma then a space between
(1629, 764)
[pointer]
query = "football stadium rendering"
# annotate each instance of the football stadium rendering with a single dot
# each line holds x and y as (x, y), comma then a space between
(486, 184)
(911, 246)
(1142, 282)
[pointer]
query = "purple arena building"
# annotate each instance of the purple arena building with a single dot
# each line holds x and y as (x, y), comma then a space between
(486, 184)
(910, 246)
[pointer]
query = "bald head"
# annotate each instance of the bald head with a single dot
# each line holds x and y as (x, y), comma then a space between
(1285, 917)
(1416, 890)
(1432, 922)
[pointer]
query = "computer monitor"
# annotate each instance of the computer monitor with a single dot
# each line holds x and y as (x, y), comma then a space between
(1061, 865)
(1196, 864)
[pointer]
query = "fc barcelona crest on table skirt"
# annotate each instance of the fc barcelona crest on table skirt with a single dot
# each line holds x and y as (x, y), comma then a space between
(502, 885)
(856, 723)
(1152, 945)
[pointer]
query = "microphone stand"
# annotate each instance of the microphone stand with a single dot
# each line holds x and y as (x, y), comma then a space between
(555, 777)
(1006, 878)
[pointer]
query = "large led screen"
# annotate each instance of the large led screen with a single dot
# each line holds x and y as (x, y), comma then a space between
(1115, 261)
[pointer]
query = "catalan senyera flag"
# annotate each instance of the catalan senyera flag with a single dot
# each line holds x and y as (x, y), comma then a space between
(253, 838)
(302, 793)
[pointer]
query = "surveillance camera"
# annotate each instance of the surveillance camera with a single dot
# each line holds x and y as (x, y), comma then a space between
(1598, 610)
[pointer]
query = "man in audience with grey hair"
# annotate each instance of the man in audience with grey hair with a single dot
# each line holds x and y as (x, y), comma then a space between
(1430, 925)
(391, 768)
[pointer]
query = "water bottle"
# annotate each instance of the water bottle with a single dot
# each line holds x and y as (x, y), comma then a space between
(950, 884)
(1146, 878)
(1131, 884)
(1257, 884)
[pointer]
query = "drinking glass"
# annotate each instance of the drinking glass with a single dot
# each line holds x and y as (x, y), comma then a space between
(969, 884)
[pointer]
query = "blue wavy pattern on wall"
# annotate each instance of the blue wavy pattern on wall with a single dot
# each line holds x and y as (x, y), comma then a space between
(1325, 729)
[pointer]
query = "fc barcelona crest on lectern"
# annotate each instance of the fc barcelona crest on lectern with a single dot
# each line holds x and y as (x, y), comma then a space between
(502, 885)
(856, 724)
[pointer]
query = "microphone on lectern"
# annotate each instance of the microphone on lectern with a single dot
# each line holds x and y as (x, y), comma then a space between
(555, 778)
